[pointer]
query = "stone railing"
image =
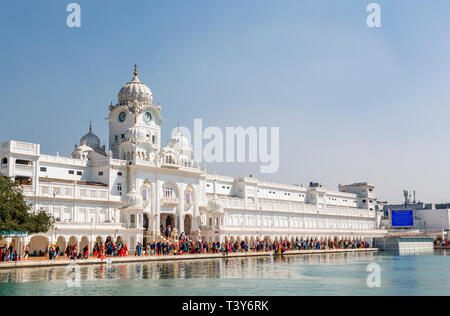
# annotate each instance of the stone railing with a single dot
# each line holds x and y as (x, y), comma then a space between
(169, 200)
(24, 169)
(87, 225)
(27, 190)
(24, 148)
(64, 191)
(296, 207)
(63, 160)
(131, 225)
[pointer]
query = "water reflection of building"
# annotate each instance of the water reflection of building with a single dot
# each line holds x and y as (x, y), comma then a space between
(269, 267)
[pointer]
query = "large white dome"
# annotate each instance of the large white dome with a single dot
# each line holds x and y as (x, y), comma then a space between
(135, 90)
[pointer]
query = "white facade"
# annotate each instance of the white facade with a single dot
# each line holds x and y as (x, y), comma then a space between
(129, 192)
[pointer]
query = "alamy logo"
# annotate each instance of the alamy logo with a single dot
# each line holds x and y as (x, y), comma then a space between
(235, 144)
(74, 18)
(374, 18)
(374, 278)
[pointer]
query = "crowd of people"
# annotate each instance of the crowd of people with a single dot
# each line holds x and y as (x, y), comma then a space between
(101, 251)
(8, 253)
(182, 245)
(441, 243)
(71, 252)
(186, 246)
(110, 249)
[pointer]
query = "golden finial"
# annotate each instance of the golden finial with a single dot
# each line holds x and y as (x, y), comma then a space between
(90, 126)
(135, 70)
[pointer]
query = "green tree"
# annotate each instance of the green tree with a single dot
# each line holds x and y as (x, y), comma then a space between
(15, 212)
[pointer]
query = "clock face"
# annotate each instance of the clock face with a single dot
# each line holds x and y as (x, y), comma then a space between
(122, 117)
(147, 117)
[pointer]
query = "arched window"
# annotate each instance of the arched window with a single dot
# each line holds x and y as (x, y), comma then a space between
(4, 161)
(189, 195)
(169, 191)
(146, 192)
(170, 159)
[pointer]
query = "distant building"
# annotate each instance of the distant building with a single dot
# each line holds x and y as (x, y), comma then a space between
(416, 206)
(428, 218)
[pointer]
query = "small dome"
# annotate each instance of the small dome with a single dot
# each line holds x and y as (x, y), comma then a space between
(91, 140)
(136, 134)
(179, 142)
(135, 90)
(133, 199)
(81, 152)
(215, 205)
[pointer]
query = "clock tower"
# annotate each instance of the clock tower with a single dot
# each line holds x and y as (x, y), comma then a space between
(135, 123)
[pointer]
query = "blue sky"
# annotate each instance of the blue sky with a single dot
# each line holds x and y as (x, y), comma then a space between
(352, 103)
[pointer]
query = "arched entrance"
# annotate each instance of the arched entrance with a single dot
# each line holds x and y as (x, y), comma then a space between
(73, 241)
(188, 197)
(146, 222)
(61, 242)
(169, 221)
(187, 224)
(98, 240)
(146, 192)
(84, 242)
(252, 242)
(38, 245)
(166, 221)
(3, 243)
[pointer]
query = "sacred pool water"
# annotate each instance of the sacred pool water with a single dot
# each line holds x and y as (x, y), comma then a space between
(327, 274)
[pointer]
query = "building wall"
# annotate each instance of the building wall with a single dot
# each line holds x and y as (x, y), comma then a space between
(92, 204)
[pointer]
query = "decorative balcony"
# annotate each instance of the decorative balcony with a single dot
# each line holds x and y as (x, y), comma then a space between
(169, 201)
